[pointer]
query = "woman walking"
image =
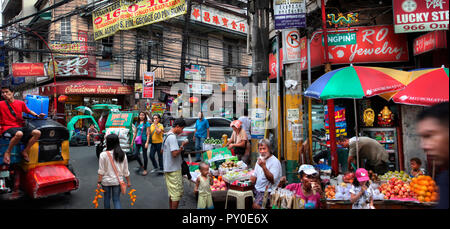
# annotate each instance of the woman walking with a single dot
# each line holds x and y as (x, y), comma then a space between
(140, 141)
(110, 160)
(156, 135)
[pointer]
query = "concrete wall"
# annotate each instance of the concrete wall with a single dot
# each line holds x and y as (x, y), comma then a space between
(411, 142)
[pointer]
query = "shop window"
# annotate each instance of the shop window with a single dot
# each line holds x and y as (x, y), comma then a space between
(65, 30)
(198, 48)
(231, 56)
(107, 47)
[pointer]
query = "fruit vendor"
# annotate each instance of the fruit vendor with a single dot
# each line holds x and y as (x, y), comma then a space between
(309, 189)
(369, 149)
(432, 127)
(267, 174)
(239, 142)
(12, 124)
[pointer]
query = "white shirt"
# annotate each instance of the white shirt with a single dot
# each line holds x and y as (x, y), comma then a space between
(171, 164)
(274, 166)
(364, 201)
(107, 171)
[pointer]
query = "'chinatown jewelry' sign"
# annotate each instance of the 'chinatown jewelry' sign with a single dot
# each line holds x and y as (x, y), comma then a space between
(420, 15)
(218, 18)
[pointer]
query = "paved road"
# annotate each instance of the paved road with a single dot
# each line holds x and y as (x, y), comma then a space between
(151, 190)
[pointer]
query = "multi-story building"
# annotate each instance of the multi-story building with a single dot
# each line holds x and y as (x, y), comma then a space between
(107, 70)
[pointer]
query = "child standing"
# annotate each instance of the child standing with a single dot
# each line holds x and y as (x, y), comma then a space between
(416, 169)
(361, 194)
(203, 187)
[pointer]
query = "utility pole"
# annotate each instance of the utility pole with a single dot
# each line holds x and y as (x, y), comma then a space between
(187, 21)
(258, 10)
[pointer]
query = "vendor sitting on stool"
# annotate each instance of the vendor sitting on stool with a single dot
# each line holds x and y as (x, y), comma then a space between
(239, 142)
(267, 173)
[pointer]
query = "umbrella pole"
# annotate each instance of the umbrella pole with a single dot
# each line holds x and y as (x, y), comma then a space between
(356, 131)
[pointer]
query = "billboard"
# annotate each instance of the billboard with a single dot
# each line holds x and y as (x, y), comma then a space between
(289, 14)
(128, 14)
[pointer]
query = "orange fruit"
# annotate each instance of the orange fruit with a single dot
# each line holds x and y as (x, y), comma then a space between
(430, 188)
(428, 194)
(427, 199)
(421, 198)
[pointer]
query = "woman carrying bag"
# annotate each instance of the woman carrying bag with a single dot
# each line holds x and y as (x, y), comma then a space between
(113, 166)
(141, 142)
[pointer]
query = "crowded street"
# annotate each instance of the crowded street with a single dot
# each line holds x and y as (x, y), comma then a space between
(224, 105)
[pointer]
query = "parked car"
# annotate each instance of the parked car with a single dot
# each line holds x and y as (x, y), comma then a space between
(217, 127)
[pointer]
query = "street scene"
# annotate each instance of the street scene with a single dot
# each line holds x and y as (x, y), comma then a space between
(224, 104)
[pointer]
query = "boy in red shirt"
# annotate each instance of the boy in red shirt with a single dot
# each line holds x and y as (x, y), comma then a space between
(12, 125)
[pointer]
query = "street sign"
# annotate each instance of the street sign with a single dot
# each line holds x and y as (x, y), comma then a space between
(289, 14)
(341, 39)
(292, 44)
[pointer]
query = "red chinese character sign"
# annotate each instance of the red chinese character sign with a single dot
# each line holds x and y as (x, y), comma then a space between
(420, 15)
(148, 85)
(218, 18)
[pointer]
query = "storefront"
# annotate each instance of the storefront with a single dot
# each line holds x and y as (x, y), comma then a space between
(87, 93)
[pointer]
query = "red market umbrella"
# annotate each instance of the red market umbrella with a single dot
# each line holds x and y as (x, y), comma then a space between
(426, 88)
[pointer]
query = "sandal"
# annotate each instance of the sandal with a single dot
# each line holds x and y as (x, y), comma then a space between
(144, 173)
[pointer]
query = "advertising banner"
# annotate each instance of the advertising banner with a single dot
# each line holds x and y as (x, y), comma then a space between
(196, 72)
(128, 14)
(430, 41)
(374, 44)
(72, 57)
(289, 14)
(340, 123)
(28, 69)
(148, 86)
(420, 15)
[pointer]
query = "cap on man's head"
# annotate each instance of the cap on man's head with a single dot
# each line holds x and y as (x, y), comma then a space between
(307, 169)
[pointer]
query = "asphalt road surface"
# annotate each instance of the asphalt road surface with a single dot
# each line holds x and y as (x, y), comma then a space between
(151, 190)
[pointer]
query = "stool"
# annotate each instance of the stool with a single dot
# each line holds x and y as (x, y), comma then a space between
(240, 197)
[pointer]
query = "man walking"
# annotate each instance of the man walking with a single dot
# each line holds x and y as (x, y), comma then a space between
(369, 149)
(172, 163)
(12, 124)
(432, 127)
(200, 134)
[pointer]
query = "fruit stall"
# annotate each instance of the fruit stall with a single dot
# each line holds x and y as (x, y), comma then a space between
(393, 190)
(228, 172)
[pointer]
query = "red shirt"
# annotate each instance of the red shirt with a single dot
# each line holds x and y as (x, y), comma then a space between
(7, 120)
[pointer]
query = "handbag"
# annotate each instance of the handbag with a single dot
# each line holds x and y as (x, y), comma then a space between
(123, 186)
(138, 139)
(151, 135)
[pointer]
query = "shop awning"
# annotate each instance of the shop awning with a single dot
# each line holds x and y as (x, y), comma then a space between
(87, 87)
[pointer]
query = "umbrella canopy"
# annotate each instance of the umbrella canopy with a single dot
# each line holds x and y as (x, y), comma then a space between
(425, 88)
(106, 106)
(85, 110)
(356, 82)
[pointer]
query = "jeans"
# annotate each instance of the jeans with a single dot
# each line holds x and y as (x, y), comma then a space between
(156, 148)
(199, 146)
(137, 149)
(115, 191)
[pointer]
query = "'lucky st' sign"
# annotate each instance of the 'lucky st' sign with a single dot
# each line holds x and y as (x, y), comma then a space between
(420, 15)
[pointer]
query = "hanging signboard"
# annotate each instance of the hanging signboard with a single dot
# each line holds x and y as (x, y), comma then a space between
(28, 69)
(420, 15)
(218, 18)
(340, 123)
(129, 14)
(430, 41)
(258, 117)
(289, 14)
(148, 85)
(292, 46)
(341, 39)
(374, 44)
(196, 72)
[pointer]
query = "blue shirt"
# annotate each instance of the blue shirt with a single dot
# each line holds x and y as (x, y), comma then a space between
(201, 127)
(142, 127)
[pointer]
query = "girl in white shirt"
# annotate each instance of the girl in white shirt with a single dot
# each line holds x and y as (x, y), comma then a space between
(106, 175)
